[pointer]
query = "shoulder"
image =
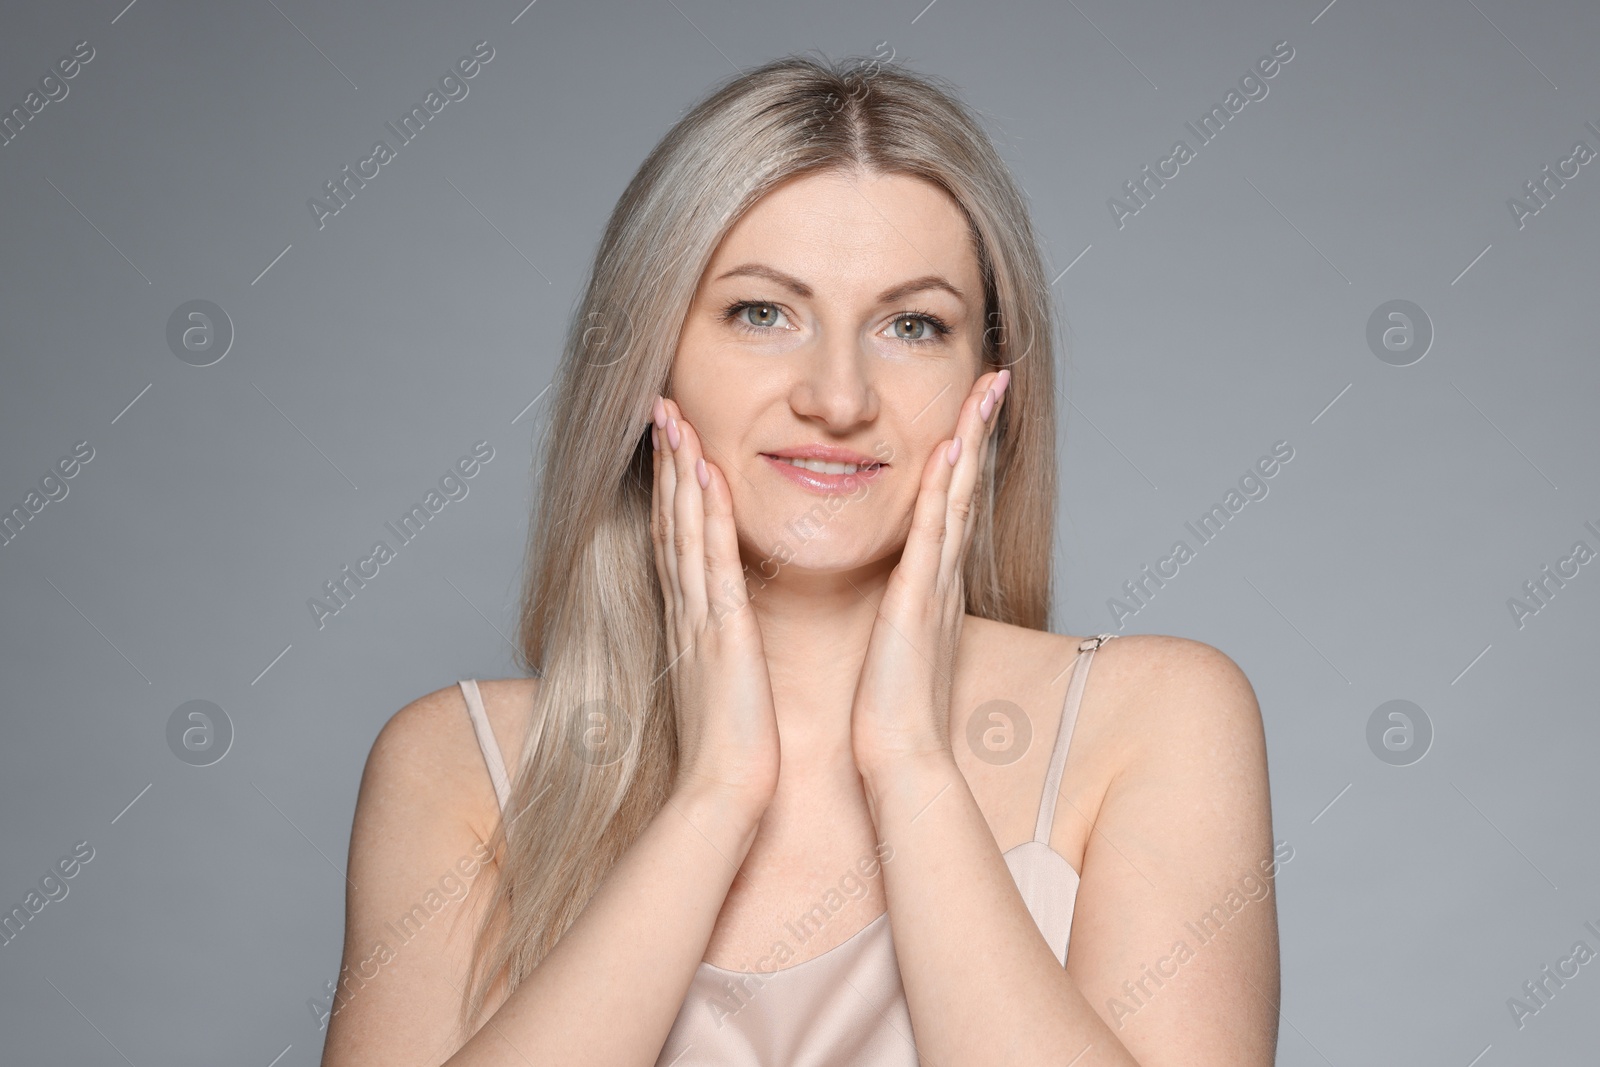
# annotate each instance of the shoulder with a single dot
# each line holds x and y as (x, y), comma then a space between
(429, 753)
(1176, 684)
(1187, 745)
(1183, 830)
(418, 850)
(1149, 698)
(1141, 667)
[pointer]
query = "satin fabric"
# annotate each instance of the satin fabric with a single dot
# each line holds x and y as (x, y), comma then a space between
(846, 1006)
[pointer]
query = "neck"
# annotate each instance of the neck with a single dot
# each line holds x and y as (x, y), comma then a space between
(814, 630)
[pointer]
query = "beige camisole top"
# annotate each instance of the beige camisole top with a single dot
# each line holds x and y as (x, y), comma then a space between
(847, 1005)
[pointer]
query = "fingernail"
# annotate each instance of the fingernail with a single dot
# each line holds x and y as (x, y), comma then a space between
(655, 442)
(673, 437)
(701, 473)
(953, 453)
(1001, 383)
(986, 405)
(659, 413)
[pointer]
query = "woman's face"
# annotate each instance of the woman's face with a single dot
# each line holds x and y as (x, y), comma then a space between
(809, 328)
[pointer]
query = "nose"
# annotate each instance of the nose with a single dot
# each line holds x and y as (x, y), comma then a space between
(834, 386)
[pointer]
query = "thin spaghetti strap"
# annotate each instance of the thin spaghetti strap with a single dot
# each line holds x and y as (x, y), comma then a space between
(486, 741)
(1069, 719)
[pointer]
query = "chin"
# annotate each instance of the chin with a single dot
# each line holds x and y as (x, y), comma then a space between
(811, 542)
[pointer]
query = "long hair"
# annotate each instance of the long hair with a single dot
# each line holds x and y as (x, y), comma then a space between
(600, 753)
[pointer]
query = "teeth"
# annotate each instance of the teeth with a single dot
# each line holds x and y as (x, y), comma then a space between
(819, 467)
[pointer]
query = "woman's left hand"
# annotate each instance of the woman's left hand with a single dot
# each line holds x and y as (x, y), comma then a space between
(901, 710)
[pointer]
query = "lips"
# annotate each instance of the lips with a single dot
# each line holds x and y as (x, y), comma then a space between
(824, 484)
(826, 454)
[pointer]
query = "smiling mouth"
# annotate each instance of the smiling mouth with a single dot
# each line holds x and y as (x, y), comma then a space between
(817, 466)
(831, 480)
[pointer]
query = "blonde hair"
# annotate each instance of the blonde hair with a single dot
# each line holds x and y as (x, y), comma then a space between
(592, 623)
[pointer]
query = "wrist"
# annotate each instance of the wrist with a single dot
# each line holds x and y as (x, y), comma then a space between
(728, 817)
(907, 774)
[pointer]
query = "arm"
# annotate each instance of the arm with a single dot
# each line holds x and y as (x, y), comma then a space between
(1180, 853)
(591, 1000)
(611, 988)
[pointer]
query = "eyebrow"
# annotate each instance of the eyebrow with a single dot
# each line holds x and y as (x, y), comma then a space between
(804, 291)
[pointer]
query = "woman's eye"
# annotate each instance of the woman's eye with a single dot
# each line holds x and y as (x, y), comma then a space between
(916, 328)
(919, 328)
(752, 316)
(765, 315)
(912, 327)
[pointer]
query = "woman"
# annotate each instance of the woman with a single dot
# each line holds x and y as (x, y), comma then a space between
(820, 786)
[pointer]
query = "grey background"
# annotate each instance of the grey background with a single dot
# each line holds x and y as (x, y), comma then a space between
(1230, 313)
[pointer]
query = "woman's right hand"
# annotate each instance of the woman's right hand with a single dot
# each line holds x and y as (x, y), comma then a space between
(727, 728)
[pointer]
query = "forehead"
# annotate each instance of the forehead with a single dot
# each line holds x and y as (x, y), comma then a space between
(847, 232)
